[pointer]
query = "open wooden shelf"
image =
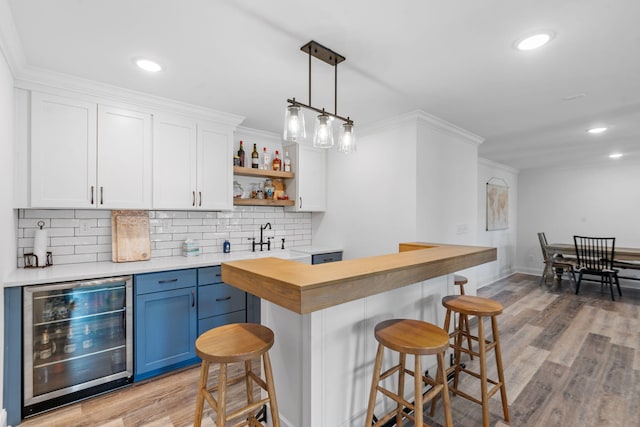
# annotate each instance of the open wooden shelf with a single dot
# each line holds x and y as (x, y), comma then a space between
(237, 170)
(262, 202)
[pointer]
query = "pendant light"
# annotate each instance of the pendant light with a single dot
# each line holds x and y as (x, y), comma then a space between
(323, 134)
(294, 129)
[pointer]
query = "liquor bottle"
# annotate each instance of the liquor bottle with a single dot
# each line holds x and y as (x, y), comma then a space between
(45, 349)
(241, 155)
(277, 163)
(255, 161)
(87, 339)
(266, 159)
(287, 162)
(70, 342)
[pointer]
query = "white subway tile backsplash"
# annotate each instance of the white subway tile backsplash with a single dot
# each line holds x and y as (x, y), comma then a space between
(77, 236)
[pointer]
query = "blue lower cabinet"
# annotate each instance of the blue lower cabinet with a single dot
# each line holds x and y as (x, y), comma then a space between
(165, 327)
(213, 322)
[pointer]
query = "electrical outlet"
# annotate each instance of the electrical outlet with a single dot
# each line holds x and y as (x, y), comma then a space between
(462, 229)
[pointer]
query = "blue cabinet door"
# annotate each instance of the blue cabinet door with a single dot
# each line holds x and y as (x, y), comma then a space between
(165, 331)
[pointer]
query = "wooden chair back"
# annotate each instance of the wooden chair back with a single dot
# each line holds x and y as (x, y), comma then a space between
(595, 253)
(543, 245)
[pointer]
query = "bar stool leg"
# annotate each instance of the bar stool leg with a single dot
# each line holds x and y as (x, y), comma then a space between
(417, 406)
(271, 390)
(374, 385)
(446, 402)
(249, 388)
(202, 388)
(483, 374)
(464, 325)
(222, 395)
(403, 358)
(503, 387)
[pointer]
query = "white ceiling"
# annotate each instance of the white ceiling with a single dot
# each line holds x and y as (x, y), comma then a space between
(452, 59)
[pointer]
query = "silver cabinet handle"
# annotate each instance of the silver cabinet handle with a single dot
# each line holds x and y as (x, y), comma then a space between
(193, 200)
(102, 195)
(92, 189)
(223, 299)
(200, 194)
(300, 202)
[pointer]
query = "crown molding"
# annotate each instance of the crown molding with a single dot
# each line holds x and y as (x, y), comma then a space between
(490, 163)
(33, 78)
(10, 45)
(432, 121)
(257, 133)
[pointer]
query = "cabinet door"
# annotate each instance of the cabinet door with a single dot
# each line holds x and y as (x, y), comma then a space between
(124, 159)
(165, 331)
(310, 181)
(174, 162)
(63, 152)
(215, 167)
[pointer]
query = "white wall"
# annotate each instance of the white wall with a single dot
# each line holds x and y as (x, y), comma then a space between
(413, 178)
(7, 214)
(603, 201)
(503, 240)
(371, 194)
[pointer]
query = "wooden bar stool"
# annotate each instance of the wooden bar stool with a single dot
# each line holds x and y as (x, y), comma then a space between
(417, 338)
(238, 342)
(480, 307)
(463, 320)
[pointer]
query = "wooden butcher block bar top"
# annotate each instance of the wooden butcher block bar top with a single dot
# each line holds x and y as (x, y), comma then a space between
(305, 288)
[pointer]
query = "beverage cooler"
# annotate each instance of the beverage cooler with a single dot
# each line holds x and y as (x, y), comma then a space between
(77, 341)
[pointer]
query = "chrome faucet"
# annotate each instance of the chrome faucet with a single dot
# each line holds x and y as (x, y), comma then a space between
(261, 242)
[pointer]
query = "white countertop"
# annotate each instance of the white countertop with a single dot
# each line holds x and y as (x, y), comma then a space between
(92, 270)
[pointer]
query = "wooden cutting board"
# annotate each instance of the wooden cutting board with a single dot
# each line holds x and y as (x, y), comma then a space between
(130, 236)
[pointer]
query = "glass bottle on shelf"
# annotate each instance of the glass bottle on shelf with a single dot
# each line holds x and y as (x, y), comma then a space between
(45, 348)
(287, 162)
(255, 161)
(70, 341)
(277, 163)
(269, 189)
(87, 339)
(241, 155)
(266, 159)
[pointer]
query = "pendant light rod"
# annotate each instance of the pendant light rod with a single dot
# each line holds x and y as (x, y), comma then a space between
(318, 110)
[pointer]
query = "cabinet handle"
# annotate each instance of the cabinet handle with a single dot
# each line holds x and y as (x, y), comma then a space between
(218, 274)
(200, 194)
(102, 195)
(193, 200)
(223, 299)
(193, 299)
(168, 280)
(328, 259)
(92, 188)
(300, 202)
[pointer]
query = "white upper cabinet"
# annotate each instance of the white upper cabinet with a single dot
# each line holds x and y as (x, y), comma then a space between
(215, 171)
(63, 152)
(310, 182)
(124, 159)
(192, 164)
(84, 155)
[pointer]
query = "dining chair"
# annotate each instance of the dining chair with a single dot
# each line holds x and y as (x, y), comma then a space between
(595, 257)
(555, 262)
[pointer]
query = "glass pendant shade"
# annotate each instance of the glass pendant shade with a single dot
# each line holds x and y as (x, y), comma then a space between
(294, 129)
(323, 135)
(347, 140)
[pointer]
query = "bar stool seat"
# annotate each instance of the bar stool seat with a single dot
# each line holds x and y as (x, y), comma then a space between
(417, 338)
(238, 342)
(469, 305)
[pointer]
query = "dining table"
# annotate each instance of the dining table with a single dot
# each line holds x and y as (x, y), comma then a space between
(624, 258)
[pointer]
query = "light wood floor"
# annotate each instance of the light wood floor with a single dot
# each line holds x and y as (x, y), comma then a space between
(569, 360)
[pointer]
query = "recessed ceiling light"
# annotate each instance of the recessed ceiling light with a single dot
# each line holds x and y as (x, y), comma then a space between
(148, 65)
(615, 155)
(597, 130)
(534, 41)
